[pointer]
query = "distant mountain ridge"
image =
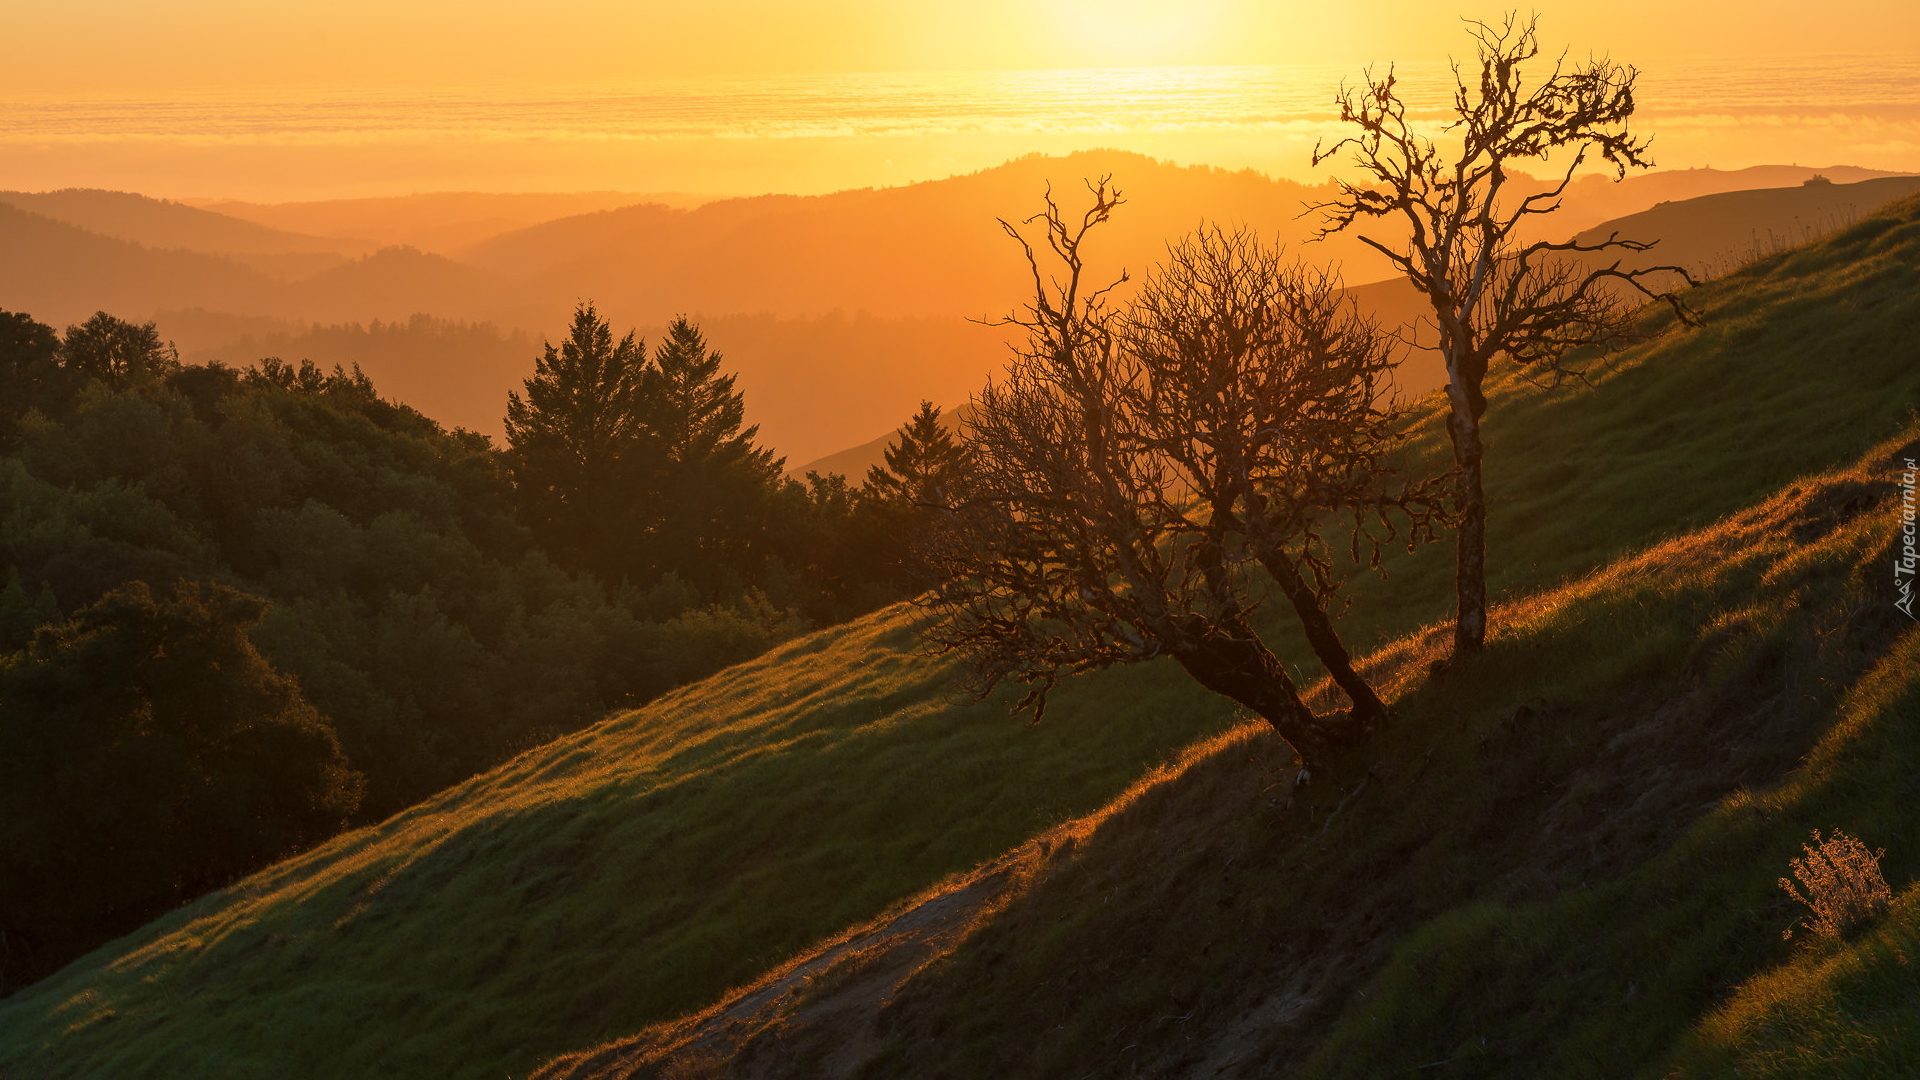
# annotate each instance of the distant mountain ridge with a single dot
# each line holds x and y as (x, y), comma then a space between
(1715, 233)
(163, 223)
(62, 273)
(442, 222)
(886, 277)
(929, 249)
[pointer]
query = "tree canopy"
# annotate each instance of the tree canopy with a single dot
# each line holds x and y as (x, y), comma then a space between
(148, 752)
(396, 587)
(117, 352)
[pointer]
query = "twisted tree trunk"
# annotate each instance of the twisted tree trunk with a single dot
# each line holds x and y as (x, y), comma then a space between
(1236, 664)
(1369, 712)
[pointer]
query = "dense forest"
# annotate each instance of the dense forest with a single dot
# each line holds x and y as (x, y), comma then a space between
(245, 608)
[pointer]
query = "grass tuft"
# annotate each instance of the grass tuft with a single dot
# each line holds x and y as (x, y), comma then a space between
(1839, 880)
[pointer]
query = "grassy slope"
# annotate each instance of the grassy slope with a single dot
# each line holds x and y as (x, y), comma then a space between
(1562, 854)
(602, 881)
(1807, 358)
(1527, 892)
(635, 870)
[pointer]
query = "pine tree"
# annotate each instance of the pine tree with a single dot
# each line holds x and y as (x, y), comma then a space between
(693, 410)
(709, 521)
(923, 465)
(578, 445)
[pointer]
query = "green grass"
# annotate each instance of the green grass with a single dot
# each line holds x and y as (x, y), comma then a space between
(1775, 693)
(636, 870)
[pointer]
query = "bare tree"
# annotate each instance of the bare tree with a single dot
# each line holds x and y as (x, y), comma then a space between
(1132, 465)
(1265, 393)
(1493, 294)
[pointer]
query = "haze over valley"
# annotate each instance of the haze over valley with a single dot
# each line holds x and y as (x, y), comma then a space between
(840, 312)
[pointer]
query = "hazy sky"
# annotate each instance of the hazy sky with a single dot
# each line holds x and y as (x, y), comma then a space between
(92, 47)
(274, 101)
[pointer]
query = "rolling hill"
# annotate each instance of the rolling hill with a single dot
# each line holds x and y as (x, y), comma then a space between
(442, 222)
(1593, 199)
(1692, 553)
(934, 249)
(930, 249)
(63, 273)
(1711, 234)
(1557, 863)
(841, 311)
(161, 223)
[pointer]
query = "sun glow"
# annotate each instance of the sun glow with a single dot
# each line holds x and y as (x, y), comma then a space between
(366, 97)
(1135, 32)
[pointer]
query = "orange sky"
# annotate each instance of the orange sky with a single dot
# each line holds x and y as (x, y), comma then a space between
(96, 47)
(282, 101)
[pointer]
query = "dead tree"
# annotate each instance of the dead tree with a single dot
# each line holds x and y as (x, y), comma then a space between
(1126, 473)
(1492, 294)
(1264, 391)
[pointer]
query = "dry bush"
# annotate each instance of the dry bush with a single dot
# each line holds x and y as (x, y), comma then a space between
(1840, 882)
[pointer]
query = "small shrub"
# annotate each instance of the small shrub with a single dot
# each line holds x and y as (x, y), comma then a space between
(1840, 882)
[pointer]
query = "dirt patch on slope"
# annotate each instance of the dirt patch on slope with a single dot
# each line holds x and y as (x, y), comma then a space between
(841, 984)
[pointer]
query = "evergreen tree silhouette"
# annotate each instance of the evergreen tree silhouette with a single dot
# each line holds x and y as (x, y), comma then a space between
(708, 519)
(923, 464)
(578, 445)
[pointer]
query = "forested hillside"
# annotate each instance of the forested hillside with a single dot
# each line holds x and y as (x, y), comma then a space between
(372, 595)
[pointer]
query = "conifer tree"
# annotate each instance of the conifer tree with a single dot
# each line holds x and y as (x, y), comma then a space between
(578, 446)
(693, 410)
(707, 518)
(923, 465)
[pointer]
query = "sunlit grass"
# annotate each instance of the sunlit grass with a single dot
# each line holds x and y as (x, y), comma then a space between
(613, 877)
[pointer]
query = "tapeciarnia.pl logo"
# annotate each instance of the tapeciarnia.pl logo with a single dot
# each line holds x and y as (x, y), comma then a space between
(1904, 563)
